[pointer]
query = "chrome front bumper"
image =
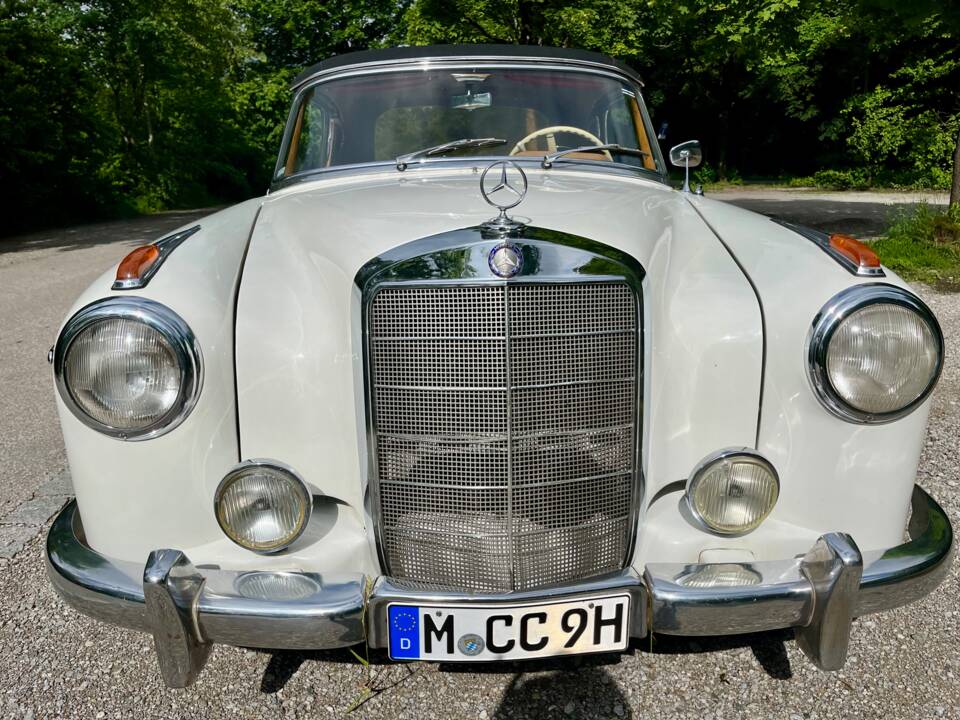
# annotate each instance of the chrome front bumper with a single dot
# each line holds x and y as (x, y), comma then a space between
(187, 608)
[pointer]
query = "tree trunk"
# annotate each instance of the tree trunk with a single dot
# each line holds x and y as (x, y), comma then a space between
(955, 187)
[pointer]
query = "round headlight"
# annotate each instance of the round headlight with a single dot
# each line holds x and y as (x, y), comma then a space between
(875, 353)
(128, 367)
(731, 492)
(262, 506)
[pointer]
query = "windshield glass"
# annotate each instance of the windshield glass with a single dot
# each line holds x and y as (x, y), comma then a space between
(381, 116)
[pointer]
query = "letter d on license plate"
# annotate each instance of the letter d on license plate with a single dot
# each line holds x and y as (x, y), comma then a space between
(508, 632)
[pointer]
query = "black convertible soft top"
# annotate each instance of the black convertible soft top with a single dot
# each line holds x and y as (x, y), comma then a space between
(447, 51)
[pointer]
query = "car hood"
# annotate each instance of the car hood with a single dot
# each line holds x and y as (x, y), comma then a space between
(299, 345)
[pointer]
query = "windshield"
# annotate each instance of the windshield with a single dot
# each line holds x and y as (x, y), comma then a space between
(381, 116)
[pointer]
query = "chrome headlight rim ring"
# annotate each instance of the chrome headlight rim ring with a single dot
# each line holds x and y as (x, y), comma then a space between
(829, 319)
(696, 477)
(156, 316)
(273, 465)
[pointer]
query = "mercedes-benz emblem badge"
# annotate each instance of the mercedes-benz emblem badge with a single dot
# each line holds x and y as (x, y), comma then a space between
(471, 644)
(505, 187)
(505, 260)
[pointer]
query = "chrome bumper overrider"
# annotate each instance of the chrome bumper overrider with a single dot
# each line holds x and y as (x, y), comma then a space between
(187, 608)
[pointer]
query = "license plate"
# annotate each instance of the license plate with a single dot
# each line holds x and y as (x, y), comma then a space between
(479, 633)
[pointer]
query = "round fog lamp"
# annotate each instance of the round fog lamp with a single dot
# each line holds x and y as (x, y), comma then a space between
(733, 491)
(262, 506)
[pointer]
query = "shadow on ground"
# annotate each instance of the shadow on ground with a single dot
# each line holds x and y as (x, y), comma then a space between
(136, 231)
(583, 692)
(579, 687)
(769, 648)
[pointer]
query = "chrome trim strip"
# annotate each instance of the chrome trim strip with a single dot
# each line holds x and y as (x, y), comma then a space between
(543, 483)
(822, 241)
(112, 590)
(166, 246)
(284, 469)
(519, 436)
(524, 336)
(487, 388)
(436, 531)
(508, 364)
(837, 309)
(163, 320)
(697, 475)
(453, 62)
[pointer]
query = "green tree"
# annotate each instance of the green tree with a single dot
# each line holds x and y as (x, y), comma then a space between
(160, 70)
(285, 37)
(47, 160)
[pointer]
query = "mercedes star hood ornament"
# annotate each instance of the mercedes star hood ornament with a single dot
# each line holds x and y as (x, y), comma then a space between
(503, 184)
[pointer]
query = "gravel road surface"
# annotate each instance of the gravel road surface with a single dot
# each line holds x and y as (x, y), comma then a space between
(57, 663)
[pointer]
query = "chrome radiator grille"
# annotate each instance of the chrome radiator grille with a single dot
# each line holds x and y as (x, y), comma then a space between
(505, 420)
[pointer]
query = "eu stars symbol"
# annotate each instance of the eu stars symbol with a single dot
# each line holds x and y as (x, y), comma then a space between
(404, 632)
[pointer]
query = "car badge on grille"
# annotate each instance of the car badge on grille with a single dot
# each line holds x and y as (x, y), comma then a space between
(504, 188)
(505, 260)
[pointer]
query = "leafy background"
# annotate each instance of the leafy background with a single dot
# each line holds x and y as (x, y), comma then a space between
(110, 107)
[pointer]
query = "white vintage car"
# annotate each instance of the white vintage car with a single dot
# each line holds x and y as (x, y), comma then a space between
(472, 382)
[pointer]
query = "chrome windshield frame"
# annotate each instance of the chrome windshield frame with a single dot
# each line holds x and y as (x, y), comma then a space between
(279, 181)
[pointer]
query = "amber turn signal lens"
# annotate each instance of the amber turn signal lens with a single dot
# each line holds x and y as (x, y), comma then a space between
(134, 265)
(854, 250)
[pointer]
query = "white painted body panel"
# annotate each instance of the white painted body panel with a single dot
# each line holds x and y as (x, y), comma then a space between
(836, 475)
(305, 356)
(298, 396)
(137, 496)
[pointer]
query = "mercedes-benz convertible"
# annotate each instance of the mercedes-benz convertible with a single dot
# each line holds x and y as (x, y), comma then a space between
(474, 382)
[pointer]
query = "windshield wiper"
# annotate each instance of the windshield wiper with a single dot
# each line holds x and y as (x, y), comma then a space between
(404, 160)
(548, 160)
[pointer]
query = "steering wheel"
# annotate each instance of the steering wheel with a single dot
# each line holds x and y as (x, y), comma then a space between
(551, 132)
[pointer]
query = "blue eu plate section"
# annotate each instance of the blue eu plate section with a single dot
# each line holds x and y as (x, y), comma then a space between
(404, 632)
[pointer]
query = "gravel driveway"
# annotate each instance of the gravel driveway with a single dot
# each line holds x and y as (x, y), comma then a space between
(57, 663)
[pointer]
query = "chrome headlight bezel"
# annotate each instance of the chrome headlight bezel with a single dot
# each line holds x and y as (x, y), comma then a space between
(829, 319)
(160, 318)
(744, 454)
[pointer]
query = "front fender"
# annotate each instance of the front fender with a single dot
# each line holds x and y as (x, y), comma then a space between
(138, 496)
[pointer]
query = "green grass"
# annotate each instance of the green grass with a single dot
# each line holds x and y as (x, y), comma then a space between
(832, 180)
(924, 245)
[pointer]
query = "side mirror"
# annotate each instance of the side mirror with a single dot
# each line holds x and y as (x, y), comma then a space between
(686, 155)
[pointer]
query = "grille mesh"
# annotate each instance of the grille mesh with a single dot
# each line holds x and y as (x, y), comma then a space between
(505, 427)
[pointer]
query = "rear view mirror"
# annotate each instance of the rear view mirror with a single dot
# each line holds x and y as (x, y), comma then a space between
(686, 155)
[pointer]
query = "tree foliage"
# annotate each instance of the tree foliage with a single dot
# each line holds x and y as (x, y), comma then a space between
(108, 105)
